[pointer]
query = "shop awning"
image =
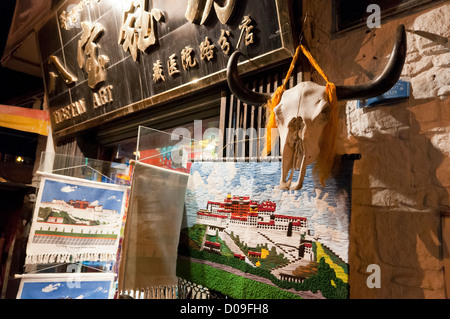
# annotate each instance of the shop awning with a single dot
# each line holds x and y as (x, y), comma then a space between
(21, 50)
(23, 119)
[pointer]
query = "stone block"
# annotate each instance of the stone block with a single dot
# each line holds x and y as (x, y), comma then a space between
(444, 91)
(445, 111)
(426, 112)
(405, 244)
(443, 172)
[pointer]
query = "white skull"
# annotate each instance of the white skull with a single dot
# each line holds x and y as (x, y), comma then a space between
(304, 112)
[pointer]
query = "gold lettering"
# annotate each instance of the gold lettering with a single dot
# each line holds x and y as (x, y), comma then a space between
(138, 30)
(68, 77)
(223, 41)
(103, 96)
(172, 65)
(52, 82)
(109, 89)
(56, 117)
(246, 33)
(70, 111)
(197, 11)
(94, 64)
(81, 106)
(187, 59)
(158, 74)
(97, 100)
(73, 110)
(206, 50)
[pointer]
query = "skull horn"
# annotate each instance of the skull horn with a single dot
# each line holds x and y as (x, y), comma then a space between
(238, 87)
(385, 80)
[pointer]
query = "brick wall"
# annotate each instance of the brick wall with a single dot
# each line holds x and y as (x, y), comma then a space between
(402, 182)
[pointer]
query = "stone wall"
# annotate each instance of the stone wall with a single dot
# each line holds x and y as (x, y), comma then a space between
(402, 182)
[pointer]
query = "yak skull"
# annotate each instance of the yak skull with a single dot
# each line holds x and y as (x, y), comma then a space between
(300, 129)
(303, 110)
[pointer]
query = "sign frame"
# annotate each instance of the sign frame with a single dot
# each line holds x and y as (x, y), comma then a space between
(288, 36)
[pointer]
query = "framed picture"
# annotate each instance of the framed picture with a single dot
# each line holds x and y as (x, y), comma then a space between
(76, 220)
(67, 286)
(246, 238)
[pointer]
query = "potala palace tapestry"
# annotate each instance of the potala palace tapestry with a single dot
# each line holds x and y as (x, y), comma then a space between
(75, 220)
(245, 238)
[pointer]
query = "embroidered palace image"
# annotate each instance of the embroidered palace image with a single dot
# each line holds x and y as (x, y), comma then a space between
(75, 219)
(246, 238)
(257, 225)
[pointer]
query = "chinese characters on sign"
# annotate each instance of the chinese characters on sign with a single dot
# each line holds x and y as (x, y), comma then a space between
(70, 18)
(198, 10)
(187, 59)
(223, 41)
(87, 56)
(207, 51)
(246, 28)
(172, 65)
(158, 72)
(67, 76)
(137, 33)
(93, 64)
(138, 30)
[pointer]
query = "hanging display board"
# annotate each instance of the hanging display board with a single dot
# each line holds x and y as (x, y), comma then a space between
(104, 59)
(245, 238)
(75, 220)
(149, 250)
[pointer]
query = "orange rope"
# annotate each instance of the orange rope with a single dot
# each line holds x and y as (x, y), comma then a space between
(276, 97)
(330, 88)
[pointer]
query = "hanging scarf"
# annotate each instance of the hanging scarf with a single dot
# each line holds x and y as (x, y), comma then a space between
(152, 233)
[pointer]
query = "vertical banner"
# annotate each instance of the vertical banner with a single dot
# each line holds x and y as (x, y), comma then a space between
(152, 231)
(75, 220)
(246, 238)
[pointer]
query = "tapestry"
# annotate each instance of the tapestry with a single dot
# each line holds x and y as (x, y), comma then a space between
(149, 250)
(244, 237)
(75, 220)
(67, 286)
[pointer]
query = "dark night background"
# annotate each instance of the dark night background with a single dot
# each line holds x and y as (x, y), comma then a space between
(13, 84)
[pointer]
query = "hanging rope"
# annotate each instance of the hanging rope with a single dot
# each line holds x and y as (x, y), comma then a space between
(276, 97)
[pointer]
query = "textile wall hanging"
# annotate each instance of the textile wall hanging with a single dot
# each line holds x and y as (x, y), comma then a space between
(67, 286)
(149, 254)
(245, 238)
(75, 220)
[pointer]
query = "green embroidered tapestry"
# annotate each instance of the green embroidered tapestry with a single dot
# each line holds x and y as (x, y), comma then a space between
(245, 238)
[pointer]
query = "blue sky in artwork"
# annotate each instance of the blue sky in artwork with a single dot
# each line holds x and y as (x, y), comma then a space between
(326, 208)
(110, 199)
(66, 289)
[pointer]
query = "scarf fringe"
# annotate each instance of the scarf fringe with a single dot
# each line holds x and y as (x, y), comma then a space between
(68, 258)
(159, 292)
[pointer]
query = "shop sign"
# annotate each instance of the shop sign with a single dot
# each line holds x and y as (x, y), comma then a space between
(102, 59)
(398, 93)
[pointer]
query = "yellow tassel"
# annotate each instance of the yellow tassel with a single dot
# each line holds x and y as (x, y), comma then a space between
(276, 97)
